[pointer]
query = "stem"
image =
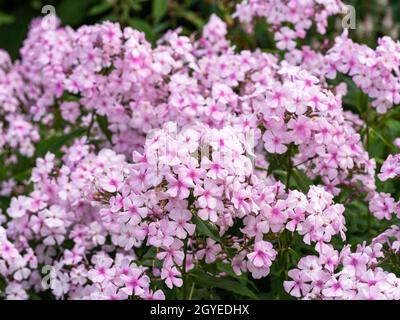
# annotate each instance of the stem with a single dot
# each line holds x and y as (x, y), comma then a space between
(90, 124)
(191, 291)
(184, 278)
(290, 168)
(367, 141)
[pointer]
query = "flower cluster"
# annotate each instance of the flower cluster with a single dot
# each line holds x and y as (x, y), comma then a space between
(345, 275)
(299, 15)
(157, 201)
(16, 130)
(375, 72)
(117, 74)
(178, 171)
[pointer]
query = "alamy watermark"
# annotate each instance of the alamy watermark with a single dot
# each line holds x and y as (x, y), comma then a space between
(349, 20)
(49, 21)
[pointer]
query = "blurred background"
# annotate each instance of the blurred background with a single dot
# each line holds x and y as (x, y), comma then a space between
(154, 17)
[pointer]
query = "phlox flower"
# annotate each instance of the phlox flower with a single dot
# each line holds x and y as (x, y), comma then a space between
(210, 252)
(208, 195)
(263, 254)
(171, 276)
(179, 186)
(180, 222)
(102, 271)
(135, 282)
(111, 182)
(299, 286)
(274, 142)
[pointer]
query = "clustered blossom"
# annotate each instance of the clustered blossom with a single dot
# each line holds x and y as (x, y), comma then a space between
(117, 74)
(299, 15)
(16, 130)
(383, 205)
(375, 72)
(345, 275)
(186, 132)
(390, 168)
(155, 201)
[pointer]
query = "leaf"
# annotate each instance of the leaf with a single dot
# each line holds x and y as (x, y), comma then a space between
(207, 229)
(23, 176)
(191, 17)
(227, 268)
(72, 12)
(3, 284)
(302, 181)
(387, 143)
(55, 143)
(394, 125)
(159, 10)
(103, 124)
(100, 8)
(6, 18)
(208, 281)
(150, 254)
(143, 26)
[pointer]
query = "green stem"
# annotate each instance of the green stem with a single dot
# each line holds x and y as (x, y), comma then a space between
(191, 291)
(290, 168)
(184, 278)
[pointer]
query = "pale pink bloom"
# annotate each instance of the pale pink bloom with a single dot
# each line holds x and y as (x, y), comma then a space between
(263, 254)
(180, 222)
(299, 286)
(135, 282)
(210, 252)
(171, 276)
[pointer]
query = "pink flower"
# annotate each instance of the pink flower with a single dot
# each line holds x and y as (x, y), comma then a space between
(275, 142)
(209, 195)
(180, 223)
(111, 182)
(134, 211)
(276, 215)
(113, 293)
(299, 286)
(382, 205)
(210, 252)
(171, 277)
(135, 282)
(150, 295)
(179, 187)
(301, 129)
(172, 254)
(285, 38)
(103, 270)
(263, 254)
(337, 287)
(390, 168)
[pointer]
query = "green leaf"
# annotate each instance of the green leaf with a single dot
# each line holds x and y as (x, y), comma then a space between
(205, 280)
(387, 143)
(302, 181)
(191, 17)
(23, 176)
(207, 229)
(6, 18)
(159, 10)
(3, 284)
(100, 8)
(150, 254)
(103, 124)
(227, 268)
(143, 26)
(55, 143)
(72, 12)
